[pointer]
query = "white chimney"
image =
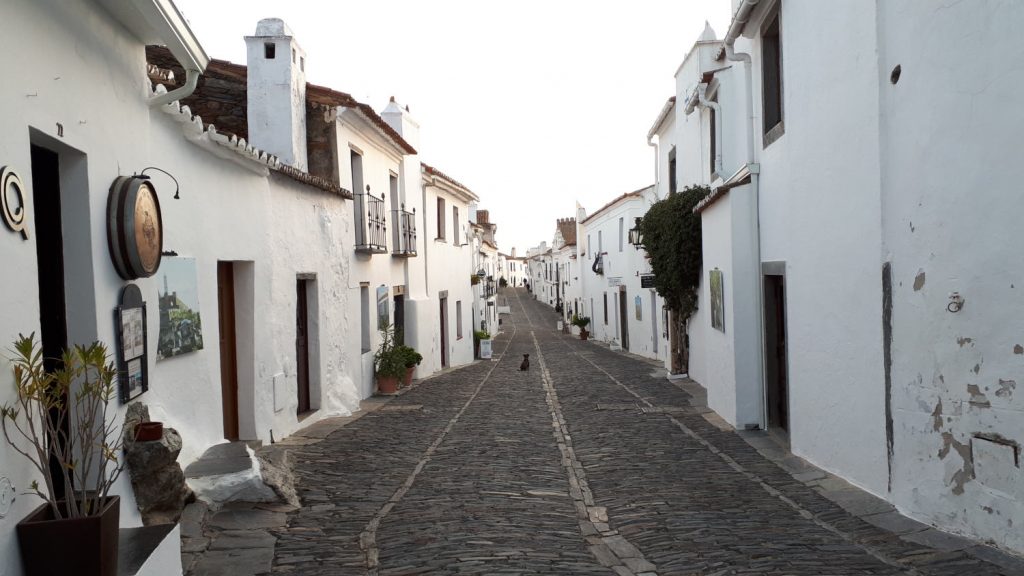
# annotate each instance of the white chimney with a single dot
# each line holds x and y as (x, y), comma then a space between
(401, 121)
(277, 92)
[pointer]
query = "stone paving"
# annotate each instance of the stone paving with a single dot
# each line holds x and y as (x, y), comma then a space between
(591, 462)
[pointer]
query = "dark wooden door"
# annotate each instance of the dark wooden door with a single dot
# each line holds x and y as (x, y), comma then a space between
(444, 332)
(777, 388)
(53, 330)
(624, 319)
(399, 318)
(302, 345)
(228, 348)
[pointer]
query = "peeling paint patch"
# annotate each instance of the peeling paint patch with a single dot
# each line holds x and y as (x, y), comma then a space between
(966, 473)
(978, 397)
(1006, 388)
(919, 281)
(962, 341)
(977, 368)
(937, 416)
(1018, 349)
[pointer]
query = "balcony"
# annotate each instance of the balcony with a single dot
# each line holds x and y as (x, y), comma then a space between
(404, 242)
(490, 288)
(371, 223)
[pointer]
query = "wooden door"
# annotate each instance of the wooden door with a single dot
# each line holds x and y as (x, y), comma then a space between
(228, 348)
(624, 318)
(776, 376)
(302, 345)
(444, 332)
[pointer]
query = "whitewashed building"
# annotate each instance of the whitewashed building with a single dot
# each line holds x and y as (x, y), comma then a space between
(485, 266)
(449, 262)
(622, 309)
(512, 268)
(253, 245)
(839, 157)
(540, 268)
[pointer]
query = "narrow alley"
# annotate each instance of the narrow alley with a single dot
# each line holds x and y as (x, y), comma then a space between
(590, 462)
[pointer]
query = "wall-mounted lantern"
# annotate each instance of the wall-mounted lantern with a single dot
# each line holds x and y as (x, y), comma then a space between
(635, 237)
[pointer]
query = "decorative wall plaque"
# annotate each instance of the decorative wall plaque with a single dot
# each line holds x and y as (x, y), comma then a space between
(132, 347)
(12, 189)
(135, 232)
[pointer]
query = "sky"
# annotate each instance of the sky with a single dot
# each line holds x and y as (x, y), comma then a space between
(534, 104)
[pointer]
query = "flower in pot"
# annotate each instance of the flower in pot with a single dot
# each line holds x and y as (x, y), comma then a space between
(59, 423)
(412, 360)
(388, 362)
(581, 322)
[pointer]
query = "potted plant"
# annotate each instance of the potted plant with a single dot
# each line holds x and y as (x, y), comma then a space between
(412, 360)
(581, 322)
(479, 335)
(388, 362)
(59, 423)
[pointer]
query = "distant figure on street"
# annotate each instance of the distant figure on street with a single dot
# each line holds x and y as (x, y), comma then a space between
(526, 363)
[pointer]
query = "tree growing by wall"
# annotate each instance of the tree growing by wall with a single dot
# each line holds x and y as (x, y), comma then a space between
(672, 239)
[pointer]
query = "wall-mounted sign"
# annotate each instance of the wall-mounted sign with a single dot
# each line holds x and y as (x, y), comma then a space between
(717, 300)
(647, 280)
(12, 201)
(132, 356)
(135, 231)
(614, 281)
(181, 326)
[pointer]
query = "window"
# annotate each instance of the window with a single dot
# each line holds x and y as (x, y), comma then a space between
(605, 308)
(293, 55)
(269, 50)
(771, 79)
(302, 63)
(600, 244)
(455, 225)
(672, 171)
(590, 252)
(364, 316)
(440, 218)
(458, 319)
(620, 234)
(712, 137)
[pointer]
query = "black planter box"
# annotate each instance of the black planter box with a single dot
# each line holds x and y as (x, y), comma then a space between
(79, 546)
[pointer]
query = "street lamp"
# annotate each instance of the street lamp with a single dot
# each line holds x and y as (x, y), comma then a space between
(635, 237)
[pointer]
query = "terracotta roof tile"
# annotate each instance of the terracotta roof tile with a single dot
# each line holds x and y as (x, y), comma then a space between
(221, 96)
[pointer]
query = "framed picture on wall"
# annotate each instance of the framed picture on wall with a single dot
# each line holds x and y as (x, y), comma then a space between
(717, 300)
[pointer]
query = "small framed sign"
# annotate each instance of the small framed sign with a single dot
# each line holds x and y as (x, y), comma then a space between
(132, 347)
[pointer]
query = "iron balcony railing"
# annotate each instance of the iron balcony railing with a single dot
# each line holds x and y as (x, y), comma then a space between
(371, 223)
(404, 242)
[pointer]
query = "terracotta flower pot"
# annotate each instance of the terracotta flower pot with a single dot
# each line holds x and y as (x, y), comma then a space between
(584, 334)
(81, 546)
(387, 384)
(149, 431)
(408, 375)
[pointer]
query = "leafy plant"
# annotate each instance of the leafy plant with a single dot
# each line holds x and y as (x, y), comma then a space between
(672, 239)
(502, 282)
(63, 417)
(411, 356)
(481, 335)
(474, 279)
(389, 359)
(580, 321)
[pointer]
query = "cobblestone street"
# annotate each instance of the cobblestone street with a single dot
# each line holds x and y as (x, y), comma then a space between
(591, 462)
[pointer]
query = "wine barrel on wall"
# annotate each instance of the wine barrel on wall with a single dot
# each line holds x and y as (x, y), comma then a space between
(135, 232)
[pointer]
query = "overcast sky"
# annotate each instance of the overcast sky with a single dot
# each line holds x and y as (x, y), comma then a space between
(533, 104)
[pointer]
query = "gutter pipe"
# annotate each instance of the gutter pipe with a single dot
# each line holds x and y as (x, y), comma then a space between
(191, 81)
(739, 21)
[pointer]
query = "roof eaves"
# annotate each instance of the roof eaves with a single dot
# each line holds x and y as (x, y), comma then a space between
(611, 204)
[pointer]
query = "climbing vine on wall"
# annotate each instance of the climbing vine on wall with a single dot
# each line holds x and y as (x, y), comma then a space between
(672, 239)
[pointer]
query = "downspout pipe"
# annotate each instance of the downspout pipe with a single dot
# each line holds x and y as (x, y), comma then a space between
(739, 21)
(717, 108)
(191, 81)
